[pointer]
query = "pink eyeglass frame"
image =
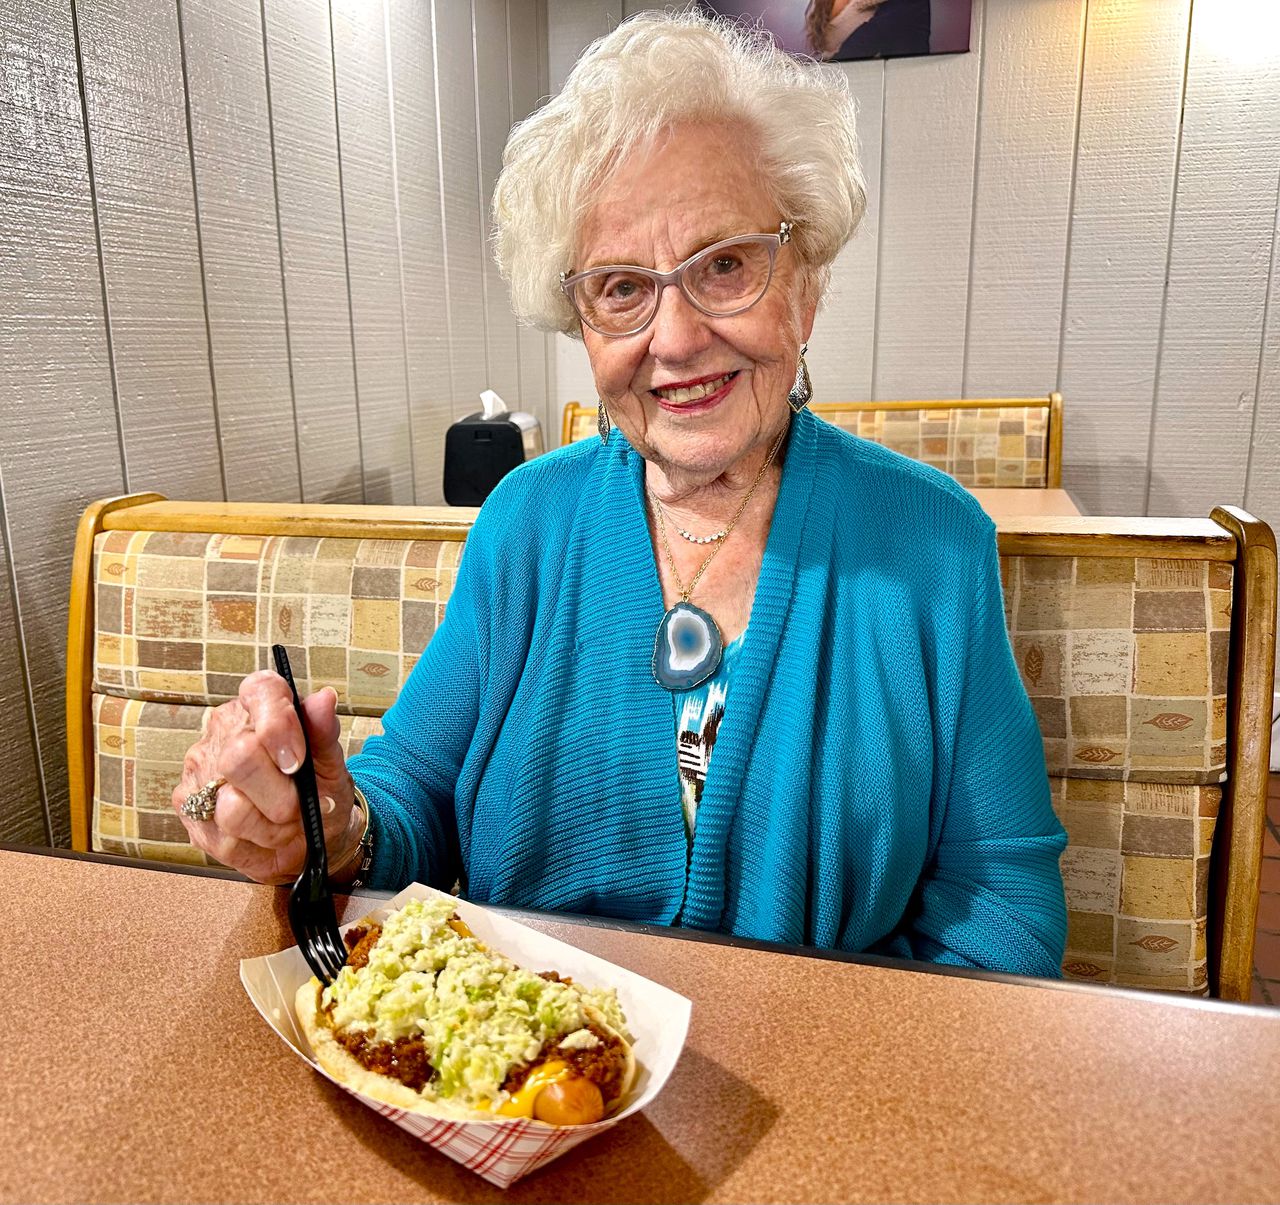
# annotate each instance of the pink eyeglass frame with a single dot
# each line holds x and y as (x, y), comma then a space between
(569, 282)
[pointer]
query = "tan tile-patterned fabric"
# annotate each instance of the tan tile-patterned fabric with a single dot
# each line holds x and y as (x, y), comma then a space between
(1136, 871)
(585, 424)
(140, 746)
(981, 447)
(183, 617)
(1125, 661)
(978, 446)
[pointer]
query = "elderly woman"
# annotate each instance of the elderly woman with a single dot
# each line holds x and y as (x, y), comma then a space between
(727, 667)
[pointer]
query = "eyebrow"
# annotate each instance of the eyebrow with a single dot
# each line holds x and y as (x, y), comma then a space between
(716, 236)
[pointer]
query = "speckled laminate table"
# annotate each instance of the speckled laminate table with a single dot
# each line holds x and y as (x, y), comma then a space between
(134, 1068)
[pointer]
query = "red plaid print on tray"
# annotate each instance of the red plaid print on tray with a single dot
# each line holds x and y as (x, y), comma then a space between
(501, 1152)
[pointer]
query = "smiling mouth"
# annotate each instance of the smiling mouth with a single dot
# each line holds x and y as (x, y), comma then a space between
(681, 394)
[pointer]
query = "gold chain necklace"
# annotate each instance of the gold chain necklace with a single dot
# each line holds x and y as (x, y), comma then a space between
(688, 646)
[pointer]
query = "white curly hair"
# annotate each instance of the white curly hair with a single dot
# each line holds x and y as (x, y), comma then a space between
(654, 71)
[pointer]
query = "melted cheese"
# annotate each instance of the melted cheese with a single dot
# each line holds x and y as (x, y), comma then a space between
(521, 1102)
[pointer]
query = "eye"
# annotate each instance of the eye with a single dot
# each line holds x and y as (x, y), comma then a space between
(620, 290)
(724, 262)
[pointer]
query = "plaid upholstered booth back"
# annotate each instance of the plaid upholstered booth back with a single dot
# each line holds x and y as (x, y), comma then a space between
(984, 444)
(1015, 442)
(1126, 657)
(1125, 660)
(182, 617)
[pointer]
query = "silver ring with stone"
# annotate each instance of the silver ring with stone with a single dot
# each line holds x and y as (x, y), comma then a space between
(200, 804)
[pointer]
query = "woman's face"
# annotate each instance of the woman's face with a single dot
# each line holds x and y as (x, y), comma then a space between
(660, 206)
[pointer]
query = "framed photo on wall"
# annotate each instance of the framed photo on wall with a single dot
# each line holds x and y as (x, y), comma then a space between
(842, 30)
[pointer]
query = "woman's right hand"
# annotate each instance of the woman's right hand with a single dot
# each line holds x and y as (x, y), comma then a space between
(255, 742)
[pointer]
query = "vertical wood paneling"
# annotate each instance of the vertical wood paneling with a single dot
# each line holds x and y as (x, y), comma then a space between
(543, 47)
(1262, 481)
(1130, 103)
(842, 348)
(305, 135)
(136, 107)
(549, 348)
(1022, 195)
(1262, 487)
(930, 128)
(60, 444)
(493, 122)
(235, 197)
(1224, 219)
(426, 317)
(23, 819)
(527, 58)
(572, 25)
(459, 172)
(373, 248)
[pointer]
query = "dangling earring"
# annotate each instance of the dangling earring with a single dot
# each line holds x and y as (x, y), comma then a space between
(802, 390)
(603, 425)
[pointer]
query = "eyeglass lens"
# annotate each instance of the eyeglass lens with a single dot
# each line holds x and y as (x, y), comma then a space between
(722, 280)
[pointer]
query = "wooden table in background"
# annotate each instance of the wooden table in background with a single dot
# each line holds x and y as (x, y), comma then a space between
(135, 1068)
(1032, 503)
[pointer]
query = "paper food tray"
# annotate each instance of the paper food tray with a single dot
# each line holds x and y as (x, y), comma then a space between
(501, 1150)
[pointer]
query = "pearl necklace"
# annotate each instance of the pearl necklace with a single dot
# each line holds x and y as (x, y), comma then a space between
(688, 535)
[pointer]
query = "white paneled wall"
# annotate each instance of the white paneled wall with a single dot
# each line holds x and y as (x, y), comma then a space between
(1221, 260)
(1126, 162)
(298, 51)
(242, 255)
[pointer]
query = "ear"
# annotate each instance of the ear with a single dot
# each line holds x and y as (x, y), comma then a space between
(808, 296)
(808, 313)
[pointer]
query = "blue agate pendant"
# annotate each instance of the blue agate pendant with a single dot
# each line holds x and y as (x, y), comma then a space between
(687, 649)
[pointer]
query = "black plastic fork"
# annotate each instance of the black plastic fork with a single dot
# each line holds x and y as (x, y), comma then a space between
(311, 912)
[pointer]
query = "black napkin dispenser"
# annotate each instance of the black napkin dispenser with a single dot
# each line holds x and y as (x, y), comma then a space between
(482, 448)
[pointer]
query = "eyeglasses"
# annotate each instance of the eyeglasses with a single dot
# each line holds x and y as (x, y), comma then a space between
(724, 279)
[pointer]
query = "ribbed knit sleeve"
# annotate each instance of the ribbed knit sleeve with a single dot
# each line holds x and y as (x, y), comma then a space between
(409, 774)
(993, 896)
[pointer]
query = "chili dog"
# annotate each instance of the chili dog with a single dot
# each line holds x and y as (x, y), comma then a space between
(427, 1018)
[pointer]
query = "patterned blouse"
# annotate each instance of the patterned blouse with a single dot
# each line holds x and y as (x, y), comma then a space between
(699, 714)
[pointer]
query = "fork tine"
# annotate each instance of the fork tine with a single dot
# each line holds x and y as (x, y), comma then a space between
(318, 965)
(338, 946)
(324, 958)
(323, 937)
(300, 923)
(333, 937)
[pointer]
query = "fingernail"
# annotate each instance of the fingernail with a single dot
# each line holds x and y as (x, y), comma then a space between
(287, 762)
(329, 803)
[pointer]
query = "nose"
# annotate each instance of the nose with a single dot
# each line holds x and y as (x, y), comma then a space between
(679, 331)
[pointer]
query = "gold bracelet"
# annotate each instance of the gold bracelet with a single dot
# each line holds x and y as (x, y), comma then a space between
(362, 848)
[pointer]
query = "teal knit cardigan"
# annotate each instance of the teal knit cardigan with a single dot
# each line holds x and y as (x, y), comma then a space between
(878, 782)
